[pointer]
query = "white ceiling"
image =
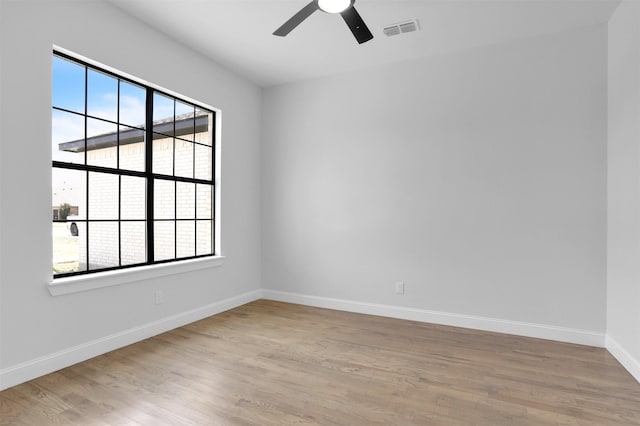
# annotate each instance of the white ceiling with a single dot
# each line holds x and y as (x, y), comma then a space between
(238, 33)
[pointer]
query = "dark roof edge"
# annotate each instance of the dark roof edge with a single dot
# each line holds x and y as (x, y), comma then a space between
(131, 135)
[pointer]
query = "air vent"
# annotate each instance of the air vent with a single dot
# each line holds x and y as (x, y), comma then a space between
(401, 27)
(392, 30)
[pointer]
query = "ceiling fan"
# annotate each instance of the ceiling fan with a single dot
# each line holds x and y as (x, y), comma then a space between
(343, 7)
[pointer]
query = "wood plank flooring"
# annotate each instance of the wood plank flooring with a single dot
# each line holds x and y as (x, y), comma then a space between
(270, 363)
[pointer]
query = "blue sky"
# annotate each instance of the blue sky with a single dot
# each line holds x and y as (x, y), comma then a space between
(102, 94)
(102, 102)
(102, 97)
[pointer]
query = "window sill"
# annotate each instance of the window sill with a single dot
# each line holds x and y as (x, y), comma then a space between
(80, 283)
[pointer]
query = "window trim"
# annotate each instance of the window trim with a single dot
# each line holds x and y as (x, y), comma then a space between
(104, 277)
(84, 282)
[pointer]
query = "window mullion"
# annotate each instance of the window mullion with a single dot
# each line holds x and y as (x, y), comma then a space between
(175, 188)
(149, 175)
(85, 155)
(119, 220)
(119, 178)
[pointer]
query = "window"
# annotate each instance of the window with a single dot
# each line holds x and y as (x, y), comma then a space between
(132, 172)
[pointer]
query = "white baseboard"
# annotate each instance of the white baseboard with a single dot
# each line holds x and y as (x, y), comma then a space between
(540, 331)
(49, 363)
(29, 370)
(625, 358)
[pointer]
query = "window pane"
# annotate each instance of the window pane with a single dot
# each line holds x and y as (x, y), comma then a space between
(101, 133)
(185, 123)
(102, 143)
(67, 137)
(203, 167)
(68, 85)
(132, 198)
(164, 199)
(164, 240)
(133, 242)
(133, 105)
(68, 194)
(132, 150)
(69, 252)
(186, 200)
(163, 110)
(186, 234)
(204, 127)
(103, 196)
(204, 201)
(162, 155)
(184, 159)
(103, 245)
(102, 95)
(204, 237)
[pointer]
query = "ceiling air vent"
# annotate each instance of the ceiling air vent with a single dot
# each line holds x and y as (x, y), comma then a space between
(401, 27)
(392, 30)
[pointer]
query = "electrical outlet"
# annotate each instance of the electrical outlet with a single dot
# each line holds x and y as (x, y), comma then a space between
(399, 287)
(159, 297)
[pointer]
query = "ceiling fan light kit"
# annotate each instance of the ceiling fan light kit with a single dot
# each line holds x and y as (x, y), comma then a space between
(334, 6)
(344, 7)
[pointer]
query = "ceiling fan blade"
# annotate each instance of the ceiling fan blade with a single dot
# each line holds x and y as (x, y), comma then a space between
(356, 25)
(296, 19)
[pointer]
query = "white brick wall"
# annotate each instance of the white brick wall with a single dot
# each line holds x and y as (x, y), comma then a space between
(133, 242)
(186, 235)
(172, 239)
(164, 240)
(203, 231)
(103, 244)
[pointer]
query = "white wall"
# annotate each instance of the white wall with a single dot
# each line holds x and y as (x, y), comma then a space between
(39, 331)
(623, 220)
(477, 178)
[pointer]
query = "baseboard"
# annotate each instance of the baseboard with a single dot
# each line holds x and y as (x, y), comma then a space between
(625, 358)
(29, 370)
(49, 363)
(540, 331)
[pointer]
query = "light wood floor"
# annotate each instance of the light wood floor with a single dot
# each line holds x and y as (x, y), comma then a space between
(273, 363)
